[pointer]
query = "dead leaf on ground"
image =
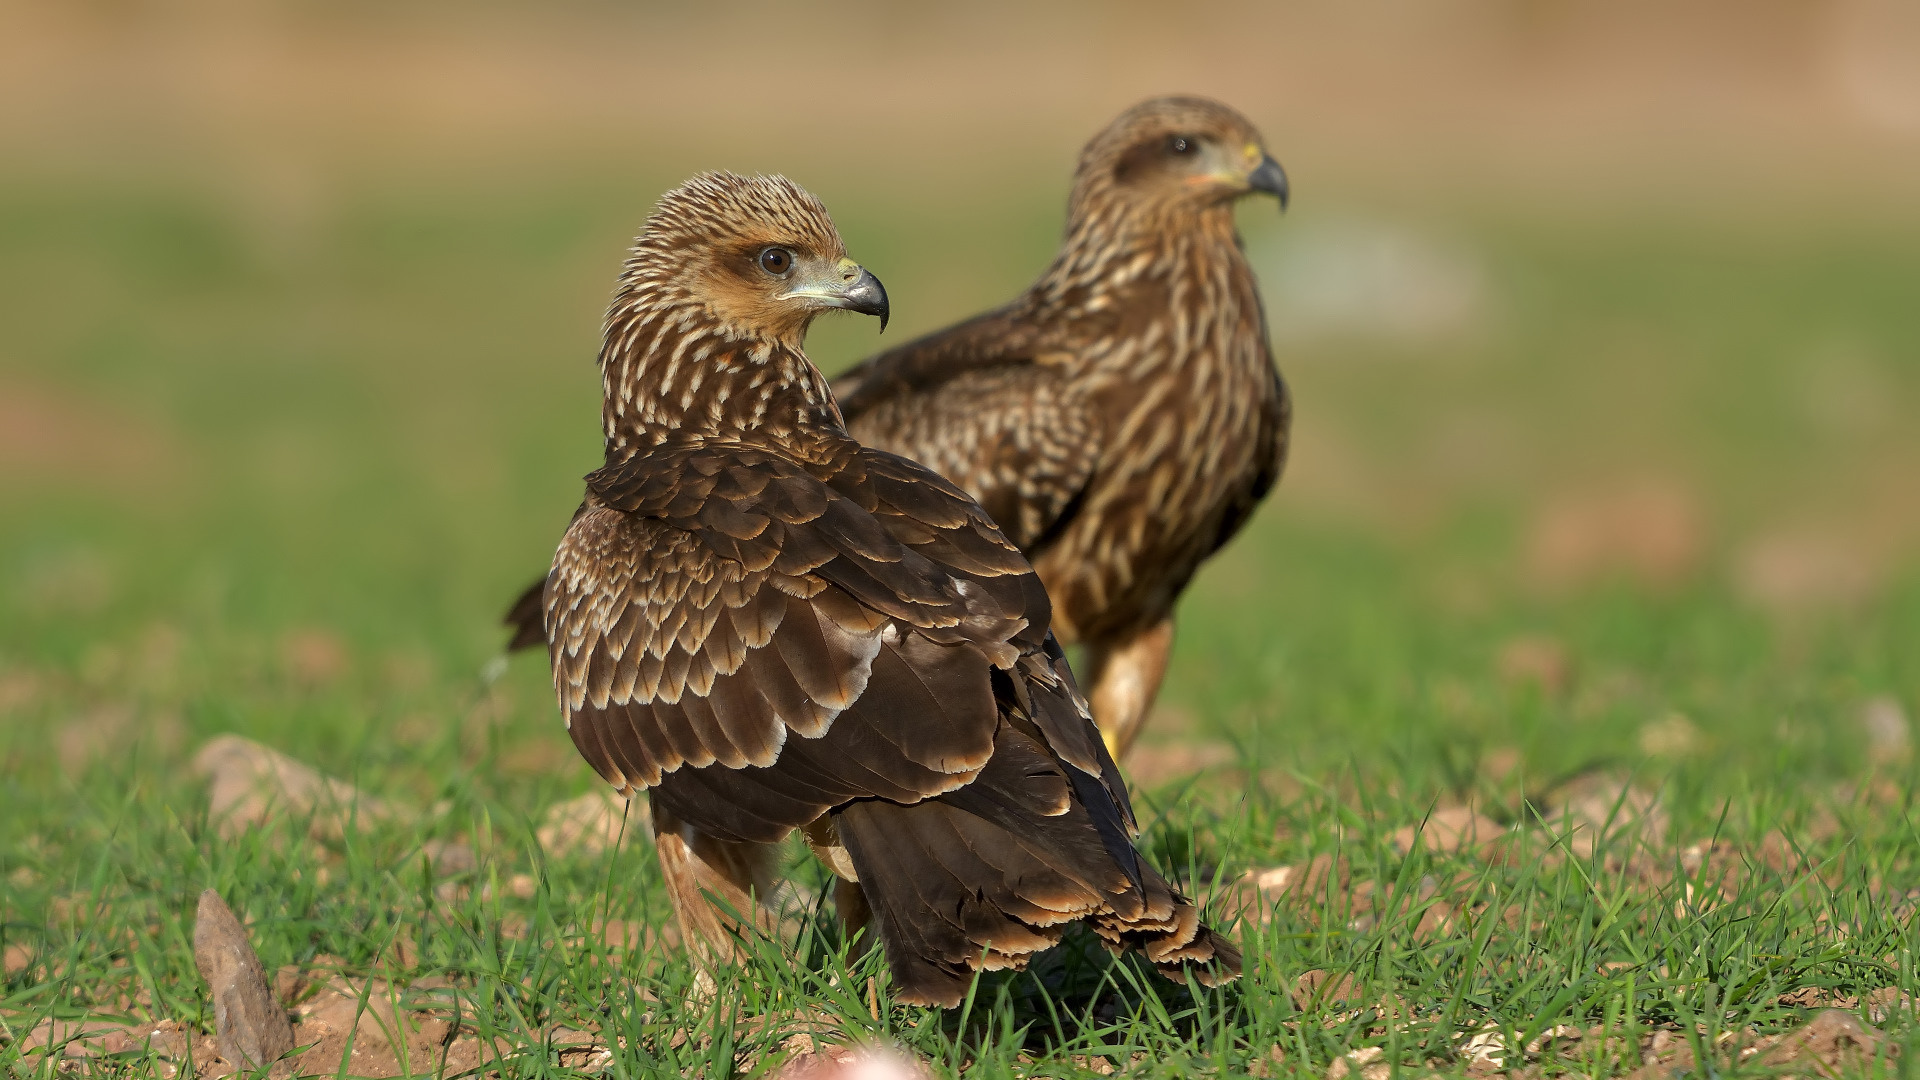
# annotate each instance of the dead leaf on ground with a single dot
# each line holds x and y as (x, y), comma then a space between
(250, 786)
(593, 823)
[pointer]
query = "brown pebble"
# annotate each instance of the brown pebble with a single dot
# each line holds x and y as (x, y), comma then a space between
(250, 1023)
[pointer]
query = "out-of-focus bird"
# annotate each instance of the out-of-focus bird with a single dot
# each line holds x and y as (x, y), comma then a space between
(768, 627)
(1122, 417)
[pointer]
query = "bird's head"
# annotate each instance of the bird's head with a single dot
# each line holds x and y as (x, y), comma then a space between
(759, 253)
(1177, 152)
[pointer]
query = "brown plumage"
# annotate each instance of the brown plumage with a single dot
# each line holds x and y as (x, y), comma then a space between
(1122, 417)
(768, 627)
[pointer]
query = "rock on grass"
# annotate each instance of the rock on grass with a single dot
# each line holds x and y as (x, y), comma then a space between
(250, 786)
(248, 1020)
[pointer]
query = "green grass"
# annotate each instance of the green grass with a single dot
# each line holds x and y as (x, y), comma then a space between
(302, 469)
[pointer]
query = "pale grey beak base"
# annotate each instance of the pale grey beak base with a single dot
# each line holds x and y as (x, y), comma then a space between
(867, 296)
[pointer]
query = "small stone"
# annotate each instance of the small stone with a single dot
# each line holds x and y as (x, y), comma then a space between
(1368, 1061)
(1888, 739)
(251, 1025)
(1560, 1036)
(1670, 736)
(450, 859)
(1834, 1042)
(592, 823)
(1534, 661)
(1486, 1048)
(250, 786)
(1450, 829)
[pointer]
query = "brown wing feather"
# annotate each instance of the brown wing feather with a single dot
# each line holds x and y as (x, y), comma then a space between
(716, 606)
(526, 617)
(984, 876)
(982, 404)
(760, 642)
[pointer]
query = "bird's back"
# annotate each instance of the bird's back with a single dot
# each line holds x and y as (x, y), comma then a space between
(1119, 438)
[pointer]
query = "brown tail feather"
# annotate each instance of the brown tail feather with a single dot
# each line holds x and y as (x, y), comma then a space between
(527, 618)
(983, 878)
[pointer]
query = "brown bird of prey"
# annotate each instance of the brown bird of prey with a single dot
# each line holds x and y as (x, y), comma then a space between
(768, 627)
(1120, 419)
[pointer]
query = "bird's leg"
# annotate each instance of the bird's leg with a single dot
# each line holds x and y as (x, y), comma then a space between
(856, 915)
(1124, 674)
(695, 866)
(823, 836)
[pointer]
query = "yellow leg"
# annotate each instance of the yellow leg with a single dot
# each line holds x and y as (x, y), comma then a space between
(1124, 675)
(848, 899)
(696, 865)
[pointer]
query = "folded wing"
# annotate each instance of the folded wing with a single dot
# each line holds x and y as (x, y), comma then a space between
(819, 638)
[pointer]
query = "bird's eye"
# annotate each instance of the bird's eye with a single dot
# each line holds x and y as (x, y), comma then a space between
(1180, 144)
(776, 261)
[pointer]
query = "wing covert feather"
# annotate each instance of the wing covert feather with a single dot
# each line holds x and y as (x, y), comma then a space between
(821, 638)
(1016, 437)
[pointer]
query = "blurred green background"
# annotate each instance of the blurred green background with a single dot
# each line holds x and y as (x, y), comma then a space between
(1603, 323)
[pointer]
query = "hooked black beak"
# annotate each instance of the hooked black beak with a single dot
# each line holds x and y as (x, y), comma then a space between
(1270, 178)
(867, 296)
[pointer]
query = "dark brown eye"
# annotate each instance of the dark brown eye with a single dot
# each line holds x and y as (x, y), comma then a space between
(1180, 144)
(776, 261)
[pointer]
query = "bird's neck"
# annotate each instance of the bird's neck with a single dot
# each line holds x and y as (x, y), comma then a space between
(676, 372)
(1111, 250)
